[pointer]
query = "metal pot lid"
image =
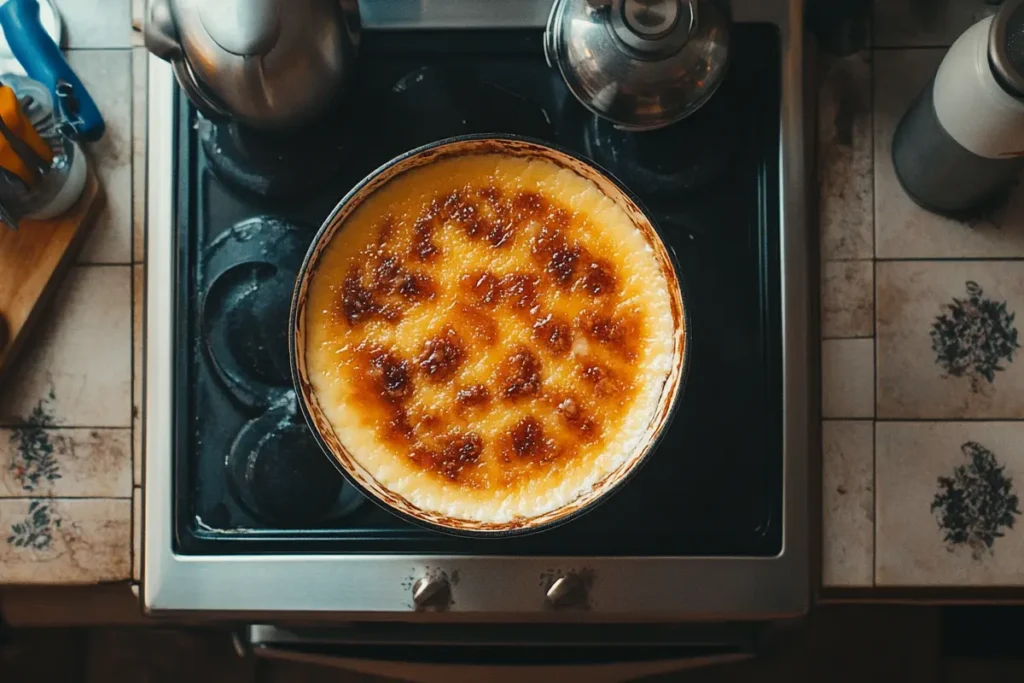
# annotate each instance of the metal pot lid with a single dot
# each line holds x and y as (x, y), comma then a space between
(642, 64)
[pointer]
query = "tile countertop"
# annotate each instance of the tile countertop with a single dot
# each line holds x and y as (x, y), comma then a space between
(69, 410)
(899, 430)
(908, 433)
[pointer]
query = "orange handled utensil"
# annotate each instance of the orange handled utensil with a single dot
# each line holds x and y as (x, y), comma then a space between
(23, 151)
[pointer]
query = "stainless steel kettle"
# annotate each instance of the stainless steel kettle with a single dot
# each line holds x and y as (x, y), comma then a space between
(264, 63)
(642, 64)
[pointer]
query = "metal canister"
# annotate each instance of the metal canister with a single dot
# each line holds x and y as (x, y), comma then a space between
(960, 145)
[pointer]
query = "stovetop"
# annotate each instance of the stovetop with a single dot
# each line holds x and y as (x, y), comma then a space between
(248, 476)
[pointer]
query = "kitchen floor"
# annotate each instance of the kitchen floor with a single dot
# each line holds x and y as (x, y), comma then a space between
(836, 644)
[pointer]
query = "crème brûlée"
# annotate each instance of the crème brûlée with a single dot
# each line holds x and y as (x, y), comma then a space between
(489, 336)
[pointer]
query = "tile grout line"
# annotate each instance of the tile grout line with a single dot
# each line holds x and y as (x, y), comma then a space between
(49, 428)
(131, 273)
(49, 497)
(874, 321)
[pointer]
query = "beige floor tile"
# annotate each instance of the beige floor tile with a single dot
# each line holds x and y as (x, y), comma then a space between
(848, 503)
(77, 365)
(938, 358)
(847, 378)
(76, 463)
(903, 229)
(138, 341)
(848, 299)
(107, 75)
(844, 146)
(66, 541)
(912, 23)
(945, 506)
(140, 80)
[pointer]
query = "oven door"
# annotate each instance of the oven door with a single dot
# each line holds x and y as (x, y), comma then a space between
(539, 653)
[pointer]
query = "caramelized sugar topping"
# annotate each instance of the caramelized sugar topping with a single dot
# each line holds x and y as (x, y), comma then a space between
(489, 342)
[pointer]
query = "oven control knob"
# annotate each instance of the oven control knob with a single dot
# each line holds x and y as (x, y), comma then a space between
(431, 591)
(567, 590)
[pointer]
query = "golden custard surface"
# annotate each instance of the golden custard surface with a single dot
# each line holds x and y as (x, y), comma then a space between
(489, 336)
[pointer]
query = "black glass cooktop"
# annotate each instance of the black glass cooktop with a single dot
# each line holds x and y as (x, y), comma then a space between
(249, 476)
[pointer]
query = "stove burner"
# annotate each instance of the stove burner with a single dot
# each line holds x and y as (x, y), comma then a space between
(245, 309)
(274, 164)
(430, 104)
(684, 156)
(279, 473)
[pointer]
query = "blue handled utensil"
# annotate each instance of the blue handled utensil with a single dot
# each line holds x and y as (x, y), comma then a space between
(43, 61)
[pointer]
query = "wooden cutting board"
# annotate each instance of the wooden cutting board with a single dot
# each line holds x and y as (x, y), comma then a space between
(33, 260)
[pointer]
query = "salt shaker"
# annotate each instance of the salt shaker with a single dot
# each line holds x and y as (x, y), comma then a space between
(960, 145)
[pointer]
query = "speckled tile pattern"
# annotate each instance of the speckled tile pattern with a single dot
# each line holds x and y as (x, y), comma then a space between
(847, 299)
(845, 158)
(948, 503)
(64, 540)
(935, 301)
(77, 368)
(67, 430)
(107, 75)
(847, 370)
(138, 310)
(948, 339)
(848, 501)
(140, 80)
(76, 462)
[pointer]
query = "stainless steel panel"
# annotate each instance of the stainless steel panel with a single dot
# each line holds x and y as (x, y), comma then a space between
(489, 588)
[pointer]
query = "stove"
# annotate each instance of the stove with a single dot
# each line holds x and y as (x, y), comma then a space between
(244, 513)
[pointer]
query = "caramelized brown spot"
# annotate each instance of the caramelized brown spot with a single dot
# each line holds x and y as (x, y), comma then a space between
(422, 456)
(461, 450)
(474, 395)
(356, 301)
(386, 230)
(423, 246)
(562, 263)
(398, 425)
(571, 411)
(605, 382)
(598, 278)
(455, 206)
(391, 312)
(484, 286)
(529, 204)
(385, 274)
(417, 287)
(555, 332)
(501, 230)
(548, 239)
(391, 375)
(620, 334)
(520, 375)
(558, 219)
(491, 193)
(441, 355)
(527, 437)
(520, 290)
